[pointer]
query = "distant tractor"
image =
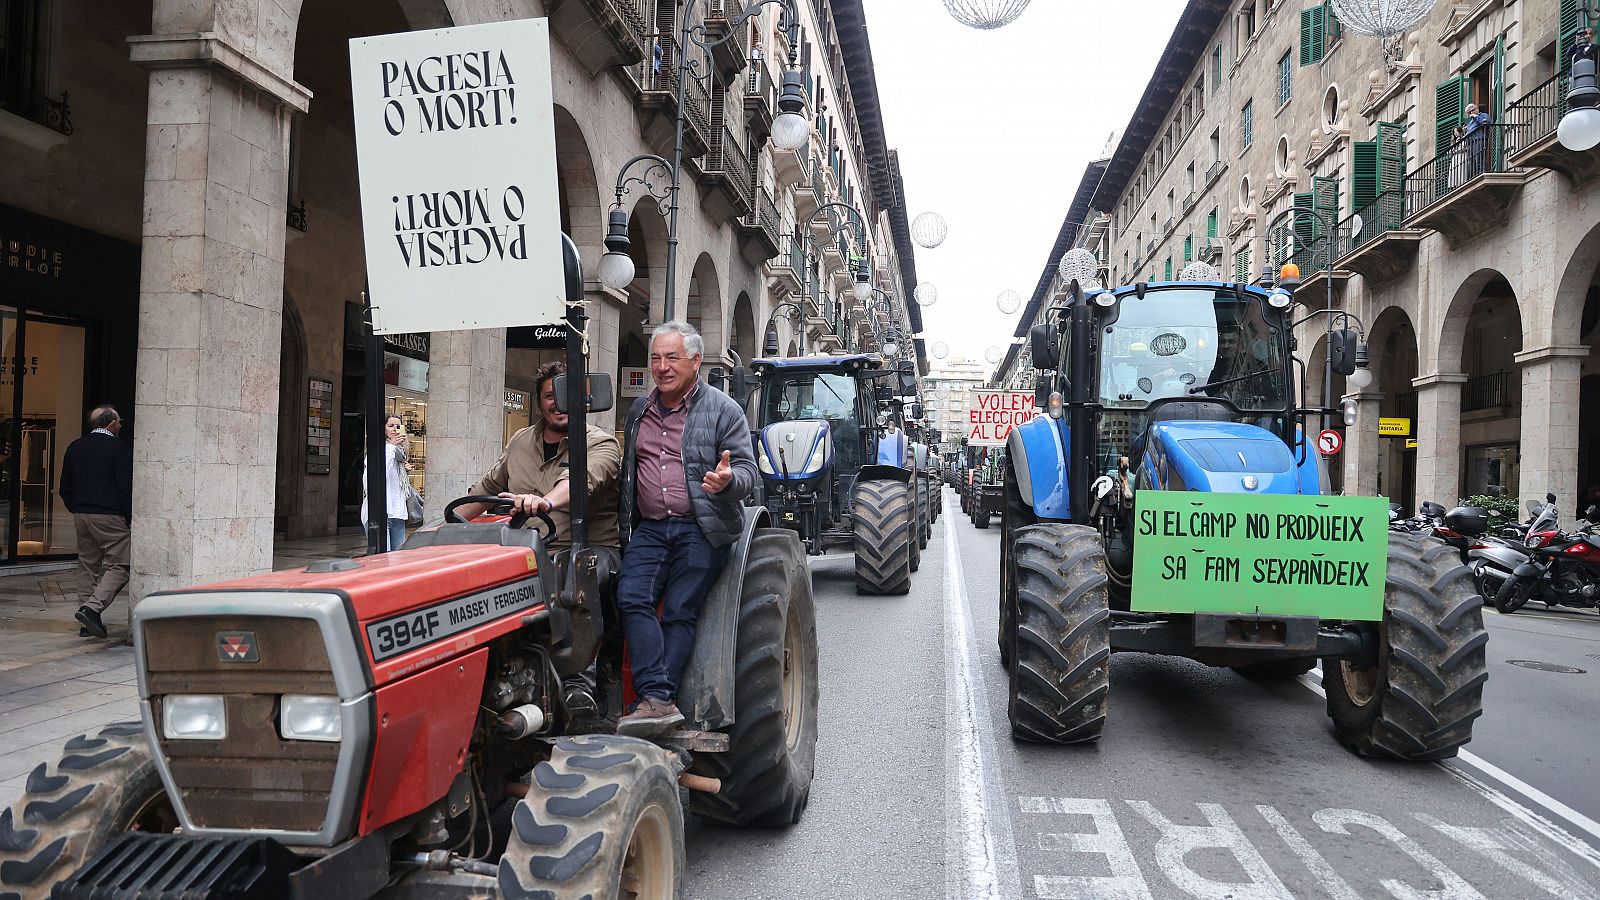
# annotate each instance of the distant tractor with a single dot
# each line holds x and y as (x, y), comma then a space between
(827, 471)
(985, 494)
(1170, 410)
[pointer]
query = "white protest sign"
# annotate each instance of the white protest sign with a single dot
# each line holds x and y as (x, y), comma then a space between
(992, 414)
(455, 142)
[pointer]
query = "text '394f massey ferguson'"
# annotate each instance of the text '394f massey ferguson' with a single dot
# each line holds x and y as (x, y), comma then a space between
(396, 725)
(1169, 502)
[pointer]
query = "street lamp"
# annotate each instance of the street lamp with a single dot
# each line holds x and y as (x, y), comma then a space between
(790, 131)
(770, 346)
(1289, 276)
(1579, 129)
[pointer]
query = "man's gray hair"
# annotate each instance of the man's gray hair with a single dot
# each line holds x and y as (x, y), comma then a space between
(692, 341)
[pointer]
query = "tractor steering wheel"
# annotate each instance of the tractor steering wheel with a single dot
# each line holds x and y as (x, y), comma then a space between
(499, 506)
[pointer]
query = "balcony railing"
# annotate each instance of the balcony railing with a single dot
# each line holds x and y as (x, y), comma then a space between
(1482, 152)
(1188, 203)
(1384, 213)
(1486, 392)
(730, 159)
(659, 74)
(1213, 173)
(632, 15)
(763, 214)
(758, 83)
(1535, 115)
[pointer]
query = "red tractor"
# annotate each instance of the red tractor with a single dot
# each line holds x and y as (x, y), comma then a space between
(395, 725)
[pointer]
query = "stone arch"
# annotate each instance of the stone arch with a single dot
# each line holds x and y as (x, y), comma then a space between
(581, 213)
(702, 306)
(794, 349)
(293, 366)
(1452, 326)
(742, 329)
(1393, 348)
(647, 246)
(1575, 300)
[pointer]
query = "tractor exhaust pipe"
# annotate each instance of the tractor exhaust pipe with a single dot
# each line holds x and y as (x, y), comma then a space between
(702, 783)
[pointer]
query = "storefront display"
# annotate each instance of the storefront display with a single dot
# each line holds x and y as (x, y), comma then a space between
(519, 412)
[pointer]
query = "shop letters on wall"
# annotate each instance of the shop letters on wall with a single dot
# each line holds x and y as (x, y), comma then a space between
(455, 140)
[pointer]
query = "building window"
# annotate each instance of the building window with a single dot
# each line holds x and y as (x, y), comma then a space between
(1216, 147)
(1247, 123)
(1285, 78)
(1216, 67)
(1247, 25)
(1241, 266)
(1492, 470)
(1211, 223)
(24, 60)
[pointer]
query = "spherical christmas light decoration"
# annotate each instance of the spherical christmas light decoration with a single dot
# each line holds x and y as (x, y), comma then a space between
(1381, 18)
(985, 15)
(1078, 264)
(929, 230)
(940, 349)
(994, 354)
(1199, 270)
(926, 294)
(1008, 302)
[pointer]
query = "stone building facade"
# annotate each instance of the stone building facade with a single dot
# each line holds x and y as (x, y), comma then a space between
(195, 160)
(1270, 134)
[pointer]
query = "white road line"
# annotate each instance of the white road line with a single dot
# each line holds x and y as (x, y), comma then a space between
(1481, 783)
(980, 857)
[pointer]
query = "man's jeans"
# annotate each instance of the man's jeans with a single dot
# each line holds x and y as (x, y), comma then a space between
(667, 560)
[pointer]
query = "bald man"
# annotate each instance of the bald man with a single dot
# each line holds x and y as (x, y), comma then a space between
(97, 488)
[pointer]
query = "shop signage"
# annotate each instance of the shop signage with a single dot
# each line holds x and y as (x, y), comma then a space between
(516, 401)
(319, 427)
(412, 345)
(455, 146)
(1260, 554)
(43, 259)
(537, 337)
(635, 381)
(1411, 443)
(992, 414)
(1394, 427)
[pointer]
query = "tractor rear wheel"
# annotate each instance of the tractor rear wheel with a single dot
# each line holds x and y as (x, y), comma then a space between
(1062, 651)
(1014, 515)
(919, 515)
(883, 520)
(601, 816)
(101, 787)
(925, 503)
(766, 772)
(1419, 700)
(980, 516)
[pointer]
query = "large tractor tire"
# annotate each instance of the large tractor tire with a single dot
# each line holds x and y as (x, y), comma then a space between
(919, 517)
(601, 817)
(766, 772)
(101, 787)
(1013, 516)
(925, 504)
(1419, 700)
(1513, 594)
(883, 519)
(980, 516)
(1060, 671)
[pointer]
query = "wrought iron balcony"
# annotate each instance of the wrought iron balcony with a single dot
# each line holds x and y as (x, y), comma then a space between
(727, 170)
(600, 33)
(658, 84)
(1381, 247)
(759, 229)
(729, 56)
(1491, 391)
(1467, 189)
(1215, 172)
(788, 267)
(1533, 118)
(760, 100)
(1188, 203)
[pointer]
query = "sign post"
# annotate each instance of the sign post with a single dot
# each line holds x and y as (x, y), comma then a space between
(992, 414)
(455, 149)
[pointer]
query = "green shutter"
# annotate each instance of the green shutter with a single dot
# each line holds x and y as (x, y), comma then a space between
(1305, 227)
(1498, 88)
(1363, 174)
(1330, 25)
(1325, 198)
(1188, 248)
(1450, 108)
(1572, 19)
(1211, 224)
(1391, 155)
(1311, 35)
(1241, 266)
(1168, 276)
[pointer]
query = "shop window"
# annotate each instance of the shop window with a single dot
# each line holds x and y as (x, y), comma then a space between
(1492, 470)
(24, 64)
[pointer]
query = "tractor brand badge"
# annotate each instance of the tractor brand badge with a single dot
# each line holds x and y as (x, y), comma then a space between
(238, 646)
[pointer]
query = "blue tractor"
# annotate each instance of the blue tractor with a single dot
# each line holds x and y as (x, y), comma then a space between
(835, 467)
(1190, 387)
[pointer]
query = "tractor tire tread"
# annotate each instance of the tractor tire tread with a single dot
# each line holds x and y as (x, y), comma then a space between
(883, 522)
(1059, 695)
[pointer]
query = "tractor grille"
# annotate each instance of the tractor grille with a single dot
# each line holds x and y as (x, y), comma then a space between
(252, 778)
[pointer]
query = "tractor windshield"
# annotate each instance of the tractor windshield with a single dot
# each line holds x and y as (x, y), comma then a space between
(818, 395)
(1191, 342)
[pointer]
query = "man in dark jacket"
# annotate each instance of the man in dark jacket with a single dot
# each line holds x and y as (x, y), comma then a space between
(686, 465)
(97, 488)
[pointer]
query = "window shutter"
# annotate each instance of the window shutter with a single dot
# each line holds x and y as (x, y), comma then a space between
(1331, 28)
(1363, 174)
(1498, 88)
(1571, 20)
(1211, 224)
(1241, 266)
(1391, 155)
(1305, 227)
(1311, 35)
(1188, 248)
(1325, 199)
(1449, 108)
(1168, 271)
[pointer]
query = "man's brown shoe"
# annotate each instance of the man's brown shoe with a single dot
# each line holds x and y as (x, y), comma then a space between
(649, 718)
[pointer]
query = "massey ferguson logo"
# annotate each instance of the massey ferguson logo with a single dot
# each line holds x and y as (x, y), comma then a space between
(237, 646)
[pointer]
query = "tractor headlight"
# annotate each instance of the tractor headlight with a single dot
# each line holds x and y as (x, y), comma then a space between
(306, 717)
(763, 463)
(194, 717)
(819, 457)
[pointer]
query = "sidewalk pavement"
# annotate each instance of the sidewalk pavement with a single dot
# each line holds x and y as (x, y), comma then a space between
(55, 685)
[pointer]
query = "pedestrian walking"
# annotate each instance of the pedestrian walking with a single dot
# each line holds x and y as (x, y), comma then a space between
(396, 479)
(686, 465)
(97, 488)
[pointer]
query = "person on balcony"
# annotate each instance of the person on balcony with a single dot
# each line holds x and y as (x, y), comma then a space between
(1583, 48)
(1475, 131)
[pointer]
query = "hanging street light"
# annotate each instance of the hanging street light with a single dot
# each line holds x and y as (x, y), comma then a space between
(616, 265)
(862, 289)
(1579, 128)
(1385, 20)
(791, 129)
(1078, 264)
(929, 230)
(985, 15)
(1008, 302)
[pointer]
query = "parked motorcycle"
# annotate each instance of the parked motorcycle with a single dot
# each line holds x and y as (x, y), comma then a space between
(1466, 528)
(1561, 568)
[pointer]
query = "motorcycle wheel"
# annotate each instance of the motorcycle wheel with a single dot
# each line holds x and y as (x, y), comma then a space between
(1513, 594)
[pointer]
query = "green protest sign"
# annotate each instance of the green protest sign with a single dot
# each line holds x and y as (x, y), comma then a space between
(1264, 554)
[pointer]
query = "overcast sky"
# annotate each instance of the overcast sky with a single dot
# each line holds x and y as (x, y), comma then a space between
(994, 129)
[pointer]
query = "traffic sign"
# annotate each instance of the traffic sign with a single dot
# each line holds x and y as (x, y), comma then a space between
(1329, 442)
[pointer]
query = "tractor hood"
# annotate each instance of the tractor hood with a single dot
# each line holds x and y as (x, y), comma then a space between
(806, 445)
(1220, 457)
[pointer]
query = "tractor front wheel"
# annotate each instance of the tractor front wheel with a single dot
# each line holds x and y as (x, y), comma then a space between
(1060, 669)
(601, 817)
(101, 787)
(1419, 700)
(919, 515)
(883, 520)
(766, 772)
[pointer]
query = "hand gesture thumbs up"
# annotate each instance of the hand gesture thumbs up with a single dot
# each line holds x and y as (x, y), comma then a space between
(718, 479)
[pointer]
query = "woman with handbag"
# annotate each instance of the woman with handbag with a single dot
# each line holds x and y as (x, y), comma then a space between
(396, 482)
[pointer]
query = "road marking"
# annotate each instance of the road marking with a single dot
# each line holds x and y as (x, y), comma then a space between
(987, 864)
(1487, 772)
(1330, 880)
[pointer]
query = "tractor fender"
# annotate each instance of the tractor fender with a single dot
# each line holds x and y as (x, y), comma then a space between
(706, 694)
(882, 472)
(1037, 453)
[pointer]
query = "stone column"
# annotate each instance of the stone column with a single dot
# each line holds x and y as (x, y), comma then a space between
(605, 343)
(210, 312)
(1363, 449)
(1548, 456)
(466, 411)
(1438, 430)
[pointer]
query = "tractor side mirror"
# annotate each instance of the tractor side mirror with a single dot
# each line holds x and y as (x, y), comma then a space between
(601, 392)
(884, 393)
(1044, 343)
(1342, 351)
(908, 384)
(916, 410)
(739, 385)
(1042, 388)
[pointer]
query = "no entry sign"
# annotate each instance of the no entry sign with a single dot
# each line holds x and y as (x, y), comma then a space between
(992, 414)
(1329, 442)
(456, 151)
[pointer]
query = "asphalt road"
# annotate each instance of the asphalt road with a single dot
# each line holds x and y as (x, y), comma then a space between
(1206, 784)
